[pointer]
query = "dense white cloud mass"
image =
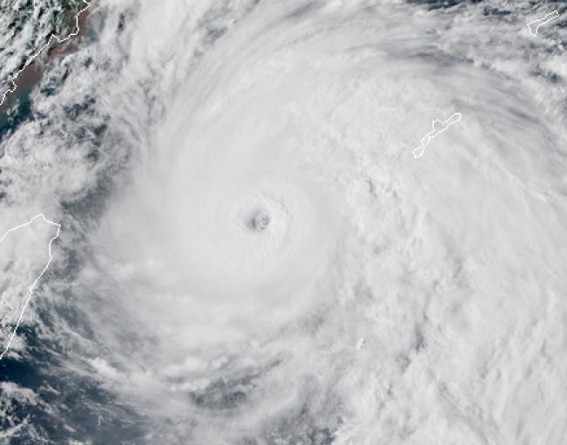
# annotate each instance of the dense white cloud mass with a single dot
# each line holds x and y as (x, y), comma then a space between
(251, 254)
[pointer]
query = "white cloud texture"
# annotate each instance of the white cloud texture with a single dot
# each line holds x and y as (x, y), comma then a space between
(266, 213)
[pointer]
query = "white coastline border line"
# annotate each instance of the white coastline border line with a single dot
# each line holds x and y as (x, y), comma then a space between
(434, 132)
(52, 37)
(541, 21)
(34, 284)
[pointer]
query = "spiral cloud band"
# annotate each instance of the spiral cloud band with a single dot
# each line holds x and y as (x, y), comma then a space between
(254, 256)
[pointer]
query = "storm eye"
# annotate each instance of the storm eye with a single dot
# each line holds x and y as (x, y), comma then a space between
(259, 220)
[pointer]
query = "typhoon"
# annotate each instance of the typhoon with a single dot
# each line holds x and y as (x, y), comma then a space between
(249, 251)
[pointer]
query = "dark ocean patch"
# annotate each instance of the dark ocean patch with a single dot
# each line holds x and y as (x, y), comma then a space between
(303, 10)
(441, 4)
(225, 394)
(70, 406)
(14, 113)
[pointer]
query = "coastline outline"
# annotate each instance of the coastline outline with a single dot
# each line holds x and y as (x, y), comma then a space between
(542, 21)
(32, 58)
(34, 283)
(437, 127)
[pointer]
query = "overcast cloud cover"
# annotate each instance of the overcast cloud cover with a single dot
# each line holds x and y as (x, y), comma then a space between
(250, 254)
